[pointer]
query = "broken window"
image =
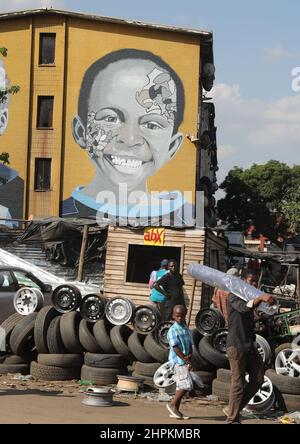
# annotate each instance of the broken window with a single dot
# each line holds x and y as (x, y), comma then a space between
(47, 49)
(45, 111)
(42, 174)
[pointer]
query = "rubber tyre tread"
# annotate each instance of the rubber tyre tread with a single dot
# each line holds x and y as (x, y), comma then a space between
(54, 373)
(9, 324)
(99, 360)
(282, 347)
(69, 326)
(146, 369)
(102, 336)
(54, 340)
(43, 319)
(14, 368)
(135, 344)
(224, 375)
(212, 355)
(60, 360)
(221, 390)
(87, 339)
(20, 334)
(154, 349)
(284, 384)
(119, 336)
(100, 376)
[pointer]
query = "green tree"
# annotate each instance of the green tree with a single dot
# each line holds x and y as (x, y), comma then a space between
(257, 193)
(291, 208)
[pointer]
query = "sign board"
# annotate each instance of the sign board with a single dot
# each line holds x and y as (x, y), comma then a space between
(154, 236)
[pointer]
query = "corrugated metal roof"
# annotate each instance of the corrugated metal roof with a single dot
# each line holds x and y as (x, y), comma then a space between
(137, 23)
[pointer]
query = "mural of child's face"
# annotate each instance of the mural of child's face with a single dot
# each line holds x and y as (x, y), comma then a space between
(3, 105)
(130, 122)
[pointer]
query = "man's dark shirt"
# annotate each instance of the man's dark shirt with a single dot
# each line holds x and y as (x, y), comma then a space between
(172, 283)
(240, 324)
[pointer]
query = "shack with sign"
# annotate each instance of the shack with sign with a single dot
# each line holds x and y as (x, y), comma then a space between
(133, 253)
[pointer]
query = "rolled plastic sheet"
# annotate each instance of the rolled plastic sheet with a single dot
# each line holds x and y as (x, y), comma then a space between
(233, 284)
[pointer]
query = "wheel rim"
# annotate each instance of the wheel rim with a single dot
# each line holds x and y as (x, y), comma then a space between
(118, 311)
(263, 398)
(219, 340)
(287, 362)
(164, 375)
(92, 308)
(161, 333)
(208, 321)
(66, 298)
(27, 300)
(145, 319)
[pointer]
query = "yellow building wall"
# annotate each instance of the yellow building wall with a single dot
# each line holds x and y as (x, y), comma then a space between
(47, 143)
(16, 37)
(87, 42)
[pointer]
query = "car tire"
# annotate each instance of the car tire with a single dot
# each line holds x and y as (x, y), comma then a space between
(99, 360)
(43, 319)
(146, 369)
(158, 353)
(21, 333)
(69, 326)
(87, 339)
(60, 360)
(14, 368)
(136, 346)
(9, 324)
(119, 336)
(285, 384)
(54, 373)
(100, 376)
(224, 375)
(221, 390)
(101, 332)
(215, 357)
(54, 340)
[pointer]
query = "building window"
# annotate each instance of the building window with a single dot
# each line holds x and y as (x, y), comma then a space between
(42, 174)
(45, 111)
(47, 49)
(150, 257)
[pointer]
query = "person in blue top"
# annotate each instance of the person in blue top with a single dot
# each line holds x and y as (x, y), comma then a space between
(180, 354)
(156, 297)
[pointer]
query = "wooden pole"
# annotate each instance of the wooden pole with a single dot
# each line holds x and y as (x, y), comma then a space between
(260, 279)
(192, 300)
(82, 252)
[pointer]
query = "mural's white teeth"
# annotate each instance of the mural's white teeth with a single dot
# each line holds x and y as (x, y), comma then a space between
(126, 163)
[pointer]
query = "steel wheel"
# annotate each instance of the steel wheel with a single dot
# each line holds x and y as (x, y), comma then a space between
(287, 362)
(27, 300)
(66, 298)
(145, 319)
(264, 398)
(92, 307)
(209, 320)
(164, 375)
(161, 333)
(119, 310)
(219, 340)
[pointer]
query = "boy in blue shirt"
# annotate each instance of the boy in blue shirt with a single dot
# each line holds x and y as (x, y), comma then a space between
(180, 341)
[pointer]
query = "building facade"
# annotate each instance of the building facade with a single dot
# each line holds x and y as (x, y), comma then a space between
(103, 101)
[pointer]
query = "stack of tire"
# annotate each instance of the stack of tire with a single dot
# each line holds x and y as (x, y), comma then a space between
(20, 343)
(286, 377)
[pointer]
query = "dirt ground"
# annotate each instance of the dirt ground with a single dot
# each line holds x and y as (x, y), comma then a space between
(40, 402)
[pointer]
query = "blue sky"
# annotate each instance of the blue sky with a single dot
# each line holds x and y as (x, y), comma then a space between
(256, 46)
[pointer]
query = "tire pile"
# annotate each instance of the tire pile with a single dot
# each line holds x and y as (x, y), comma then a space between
(54, 346)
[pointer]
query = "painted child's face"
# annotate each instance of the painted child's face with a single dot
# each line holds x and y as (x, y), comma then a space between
(130, 121)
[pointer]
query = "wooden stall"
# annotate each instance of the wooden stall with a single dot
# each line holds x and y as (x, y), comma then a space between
(133, 253)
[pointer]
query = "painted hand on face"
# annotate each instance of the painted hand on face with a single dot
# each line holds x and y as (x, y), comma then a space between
(97, 136)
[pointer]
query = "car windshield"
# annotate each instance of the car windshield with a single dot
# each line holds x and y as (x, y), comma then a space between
(25, 281)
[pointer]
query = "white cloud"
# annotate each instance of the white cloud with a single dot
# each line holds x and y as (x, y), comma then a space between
(19, 5)
(278, 52)
(255, 130)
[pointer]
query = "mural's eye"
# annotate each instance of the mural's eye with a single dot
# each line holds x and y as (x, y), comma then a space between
(152, 125)
(111, 119)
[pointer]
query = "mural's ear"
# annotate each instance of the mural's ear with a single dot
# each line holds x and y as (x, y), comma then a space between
(78, 131)
(3, 120)
(175, 144)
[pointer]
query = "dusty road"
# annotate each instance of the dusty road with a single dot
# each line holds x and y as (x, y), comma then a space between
(39, 402)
